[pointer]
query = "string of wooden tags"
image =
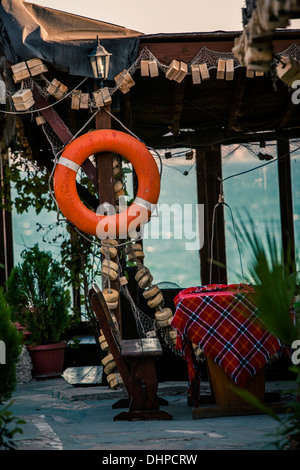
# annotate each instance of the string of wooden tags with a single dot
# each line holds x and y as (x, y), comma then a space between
(177, 71)
(36, 67)
(23, 99)
(200, 72)
(102, 97)
(124, 81)
(75, 99)
(26, 69)
(57, 89)
(225, 69)
(80, 100)
(149, 68)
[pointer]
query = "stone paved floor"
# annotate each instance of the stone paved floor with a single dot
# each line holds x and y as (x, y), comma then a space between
(62, 417)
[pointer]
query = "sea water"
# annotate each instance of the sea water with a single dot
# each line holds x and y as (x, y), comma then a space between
(173, 259)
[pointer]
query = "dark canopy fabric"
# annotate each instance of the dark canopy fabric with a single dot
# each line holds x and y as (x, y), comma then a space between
(62, 39)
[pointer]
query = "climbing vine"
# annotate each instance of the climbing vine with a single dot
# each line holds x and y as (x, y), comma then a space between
(26, 185)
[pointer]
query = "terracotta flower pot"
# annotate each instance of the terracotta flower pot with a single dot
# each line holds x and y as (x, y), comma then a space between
(47, 360)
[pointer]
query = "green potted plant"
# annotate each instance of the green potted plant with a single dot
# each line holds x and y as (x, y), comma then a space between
(10, 348)
(40, 302)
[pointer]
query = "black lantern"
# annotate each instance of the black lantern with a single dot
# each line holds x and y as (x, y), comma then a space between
(100, 61)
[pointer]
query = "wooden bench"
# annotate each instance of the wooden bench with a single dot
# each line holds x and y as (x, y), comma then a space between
(135, 360)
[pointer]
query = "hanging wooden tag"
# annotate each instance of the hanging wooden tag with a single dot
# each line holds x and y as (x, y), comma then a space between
(124, 81)
(84, 101)
(204, 71)
(102, 97)
(229, 69)
(57, 89)
(221, 69)
(23, 99)
(20, 72)
(153, 68)
(145, 68)
(196, 77)
(75, 102)
(36, 67)
(40, 120)
(183, 70)
(172, 70)
(106, 96)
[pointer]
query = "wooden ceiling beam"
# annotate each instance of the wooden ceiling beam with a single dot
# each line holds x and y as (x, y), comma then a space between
(216, 136)
(62, 131)
(166, 47)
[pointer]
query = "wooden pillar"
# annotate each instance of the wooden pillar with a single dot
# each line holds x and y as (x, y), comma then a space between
(6, 238)
(106, 183)
(209, 168)
(286, 201)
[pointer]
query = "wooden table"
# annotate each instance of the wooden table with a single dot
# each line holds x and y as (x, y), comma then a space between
(222, 320)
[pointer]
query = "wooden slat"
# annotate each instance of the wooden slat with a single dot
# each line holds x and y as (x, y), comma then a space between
(62, 131)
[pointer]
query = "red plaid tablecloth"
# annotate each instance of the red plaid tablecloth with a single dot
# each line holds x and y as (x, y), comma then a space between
(222, 320)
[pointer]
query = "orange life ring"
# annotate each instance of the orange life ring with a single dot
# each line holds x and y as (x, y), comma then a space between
(94, 142)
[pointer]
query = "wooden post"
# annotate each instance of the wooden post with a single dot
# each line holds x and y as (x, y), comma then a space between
(286, 201)
(106, 184)
(6, 239)
(209, 168)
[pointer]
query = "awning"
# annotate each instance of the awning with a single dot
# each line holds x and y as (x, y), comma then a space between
(61, 39)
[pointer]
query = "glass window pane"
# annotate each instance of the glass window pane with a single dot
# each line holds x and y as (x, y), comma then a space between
(171, 240)
(26, 234)
(255, 192)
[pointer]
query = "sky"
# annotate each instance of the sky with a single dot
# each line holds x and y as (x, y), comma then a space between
(160, 16)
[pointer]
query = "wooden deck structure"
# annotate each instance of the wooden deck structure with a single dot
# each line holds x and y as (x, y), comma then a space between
(167, 114)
